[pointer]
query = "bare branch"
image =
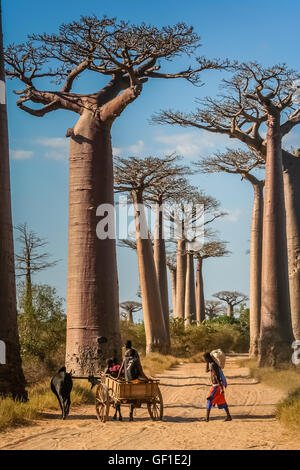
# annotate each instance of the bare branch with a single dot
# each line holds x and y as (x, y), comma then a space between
(251, 94)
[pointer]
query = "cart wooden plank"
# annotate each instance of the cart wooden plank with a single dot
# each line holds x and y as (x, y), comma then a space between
(124, 390)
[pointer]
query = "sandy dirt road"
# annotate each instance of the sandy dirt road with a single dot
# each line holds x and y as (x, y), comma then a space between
(184, 390)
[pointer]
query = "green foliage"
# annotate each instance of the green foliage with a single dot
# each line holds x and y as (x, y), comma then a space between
(134, 332)
(42, 328)
(221, 320)
(222, 332)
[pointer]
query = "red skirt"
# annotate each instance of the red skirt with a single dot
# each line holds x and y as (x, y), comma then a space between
(216, 397)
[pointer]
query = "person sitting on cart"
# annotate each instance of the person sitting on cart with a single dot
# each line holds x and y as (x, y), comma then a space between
(112, 369)
(131, 366)
(132, 369)
(128, 346)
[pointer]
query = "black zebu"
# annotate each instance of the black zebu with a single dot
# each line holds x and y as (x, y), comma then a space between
(61, 385)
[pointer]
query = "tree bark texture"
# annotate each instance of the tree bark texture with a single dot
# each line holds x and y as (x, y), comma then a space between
(161, 269)
(28, 291)
(155, 329)
(130, 316)
(12, 381)
(190, 300)
(180, 279)
(173, 284)
(93, 304)
(200, 301)
(255, 267)
(229, 311)
(276, 331)
(291, 179)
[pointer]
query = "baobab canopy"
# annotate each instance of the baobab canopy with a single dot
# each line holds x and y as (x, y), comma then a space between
(129, 54)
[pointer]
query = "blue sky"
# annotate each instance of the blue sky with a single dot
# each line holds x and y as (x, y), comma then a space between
(266, 31)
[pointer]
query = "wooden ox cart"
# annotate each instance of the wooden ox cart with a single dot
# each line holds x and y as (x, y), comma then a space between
(113, 392)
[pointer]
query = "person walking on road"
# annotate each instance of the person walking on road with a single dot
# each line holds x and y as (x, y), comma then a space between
(218, 383)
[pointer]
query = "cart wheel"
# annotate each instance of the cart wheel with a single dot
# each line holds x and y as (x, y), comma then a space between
(102, 403)
(156, 406)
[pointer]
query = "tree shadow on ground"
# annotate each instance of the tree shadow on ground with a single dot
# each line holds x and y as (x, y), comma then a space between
(184, 385)
(185, 406)
(244, 417)
(181, 377)
(180, 419)
(69, 418)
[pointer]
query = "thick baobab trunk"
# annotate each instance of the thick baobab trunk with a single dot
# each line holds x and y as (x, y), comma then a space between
(12, 381)
(130, 316)
(291, 178)
(92, 304)
(161, 268)
(200, 302)
(255, 267)
(276, 331)
(190, 301)
(180, 279)
(155, 329)
(229, 311)
(173, 284)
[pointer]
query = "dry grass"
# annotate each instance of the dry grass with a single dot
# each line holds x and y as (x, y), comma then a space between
(286, 378)
(156, 363)
(288, 410)
(41, 399)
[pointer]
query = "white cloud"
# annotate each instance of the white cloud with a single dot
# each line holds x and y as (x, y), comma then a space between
(21, 154)
(135, 149)
(194, 144)
(233, 215)
(117, 151)
(292, 140)
(58, 147)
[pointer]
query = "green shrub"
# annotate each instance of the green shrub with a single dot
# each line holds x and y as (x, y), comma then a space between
(226, 333)
(42, 331)
(134, 332)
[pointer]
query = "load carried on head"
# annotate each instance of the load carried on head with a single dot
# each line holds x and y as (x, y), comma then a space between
(219, 356)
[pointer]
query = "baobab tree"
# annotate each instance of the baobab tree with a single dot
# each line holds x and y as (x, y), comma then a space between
(171, 263)
(130, 307)
(210, 249)
(258, 96)
(12, 381)
(190, 213)
(232, 298)
(213, 308)
(129, 56)
(134, 175)
(30, 260)
(171, 186)
(190, 293)
(244, 163)
(291, 179)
